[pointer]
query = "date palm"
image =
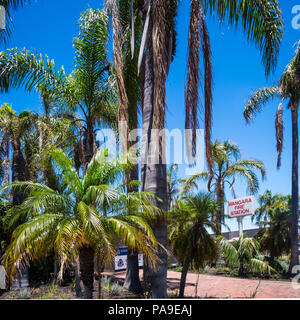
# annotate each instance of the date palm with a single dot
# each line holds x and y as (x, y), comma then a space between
(261, 22)
(226, 169)
(14, 128)
(190, 241)
(287, 89)
(244, 255)
(88, 90)
(84, 220)
(268, 203)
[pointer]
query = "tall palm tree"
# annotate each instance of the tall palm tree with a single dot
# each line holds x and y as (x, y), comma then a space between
(227, 167)
(9, 6)
(288, 89)
(189, 238)
(88, 90)
(84, 221)
(261, 22)
(14, 128)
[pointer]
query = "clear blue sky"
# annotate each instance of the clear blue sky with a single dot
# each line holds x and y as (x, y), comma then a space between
(50, 28)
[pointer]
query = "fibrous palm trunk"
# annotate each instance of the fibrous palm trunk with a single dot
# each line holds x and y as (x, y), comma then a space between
(88, 144)
(154, 179)
(132, 280)
(18, 174)
(86, 260)
(295, 194)
(18, 196)
(184, 272)
(220, 215)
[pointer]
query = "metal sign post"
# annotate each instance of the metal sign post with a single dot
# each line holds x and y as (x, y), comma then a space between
(240, 223)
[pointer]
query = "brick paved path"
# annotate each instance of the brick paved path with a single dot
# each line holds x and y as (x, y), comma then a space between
(211, 286)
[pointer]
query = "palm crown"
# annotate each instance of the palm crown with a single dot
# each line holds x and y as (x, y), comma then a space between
(227, 165)
(90, 212)
(88, 90)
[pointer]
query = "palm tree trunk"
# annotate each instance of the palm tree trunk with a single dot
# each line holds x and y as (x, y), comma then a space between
(18, 174)
(184, 273)
(295, 194)
(18, 196)
(86, 260)
(132, 280)
(77, 281)
(6, 162)
(100, 269)
(220, 216)
(154, 179)
(88, 144)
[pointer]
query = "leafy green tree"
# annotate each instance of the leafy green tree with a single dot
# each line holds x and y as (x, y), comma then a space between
(88, 90)
(84, 221)
(189, 221)
(274, 217)
(269, 203)
(288, 89)
(244, 255)
(274, 237)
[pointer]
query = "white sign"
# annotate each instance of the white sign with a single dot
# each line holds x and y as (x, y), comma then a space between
(120, 263)
(241, 207)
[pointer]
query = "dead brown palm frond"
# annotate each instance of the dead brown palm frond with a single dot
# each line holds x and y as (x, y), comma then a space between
(279, 133)
(160, 61)
(198, 40)
(193, 76)
(206, 50)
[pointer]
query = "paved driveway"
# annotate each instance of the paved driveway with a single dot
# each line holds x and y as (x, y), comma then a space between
(210, 286)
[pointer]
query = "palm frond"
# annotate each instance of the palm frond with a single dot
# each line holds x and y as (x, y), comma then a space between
(22, 68)
(257, 100)
(260, 20)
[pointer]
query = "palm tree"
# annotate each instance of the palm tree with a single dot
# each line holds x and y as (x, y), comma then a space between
(88, 90)
(14, 128)
(268, 203)
(85, 220)
(260, 21)
(9, 6)
(288, 89)
(274, 216)
(227, 166)
(188, 234)
(244, 254)
(274, 237)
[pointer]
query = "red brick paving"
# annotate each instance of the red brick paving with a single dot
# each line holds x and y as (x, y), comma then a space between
(211, 286)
